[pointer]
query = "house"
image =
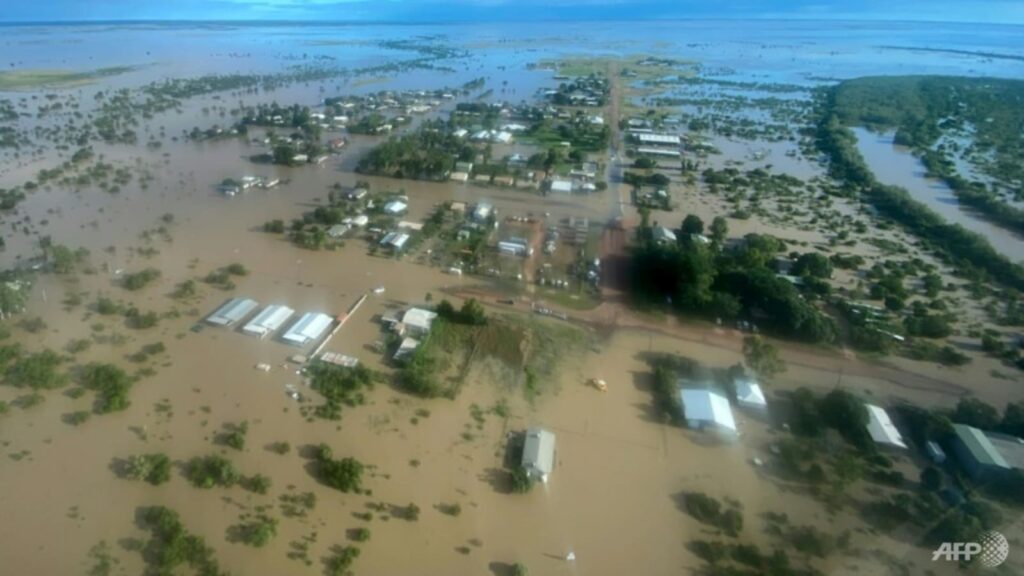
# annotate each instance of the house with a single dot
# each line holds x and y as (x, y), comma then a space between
(1010, 447)
(459, 177)
(268, 321)
(406, 349)
(395, 240)
(232, 311)
(417, 320)
(357, 221)
(337, 231)
(750, 396)
(882, 430)
(705, 409)
(300, 158)
(458, 207)
(561, 186)
(539, 453)
(308, 329)
(979, 458)
(460, 133)
(466, 167)
(395, 207)
(664, 235)
(503, 181)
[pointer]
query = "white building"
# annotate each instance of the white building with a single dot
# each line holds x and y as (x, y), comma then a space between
(308, 329)
(561, 186)
(417, 320)
(406, 348)
(515, 247)
(232, 311)
(268, 321)
(459, 177)
(750, 396)
(881, 428)
(395, 240)
(707, 410)
(662, 234)
(658, 139)
(395, 207)
(539, 453)
(337, 231)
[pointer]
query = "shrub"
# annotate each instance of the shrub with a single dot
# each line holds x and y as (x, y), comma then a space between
(152, 468)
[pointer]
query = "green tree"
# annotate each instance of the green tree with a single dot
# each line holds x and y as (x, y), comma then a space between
(973, 412)
(762, 357)
(931, 479)
(719, 230)
(692, 224)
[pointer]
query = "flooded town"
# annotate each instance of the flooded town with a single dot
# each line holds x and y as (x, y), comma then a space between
(656, 297)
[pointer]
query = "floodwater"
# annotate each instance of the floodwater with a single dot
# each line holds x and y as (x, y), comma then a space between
(618, 469)
(895, 165)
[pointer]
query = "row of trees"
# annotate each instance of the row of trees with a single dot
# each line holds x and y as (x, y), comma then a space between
(699, 278)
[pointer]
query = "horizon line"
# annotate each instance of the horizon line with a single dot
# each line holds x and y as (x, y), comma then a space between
(273, 21)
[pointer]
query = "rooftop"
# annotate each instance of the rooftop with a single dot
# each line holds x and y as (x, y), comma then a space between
(232, 311)
(979, 446)
(539, 452)
(881, 428)
(707, 406)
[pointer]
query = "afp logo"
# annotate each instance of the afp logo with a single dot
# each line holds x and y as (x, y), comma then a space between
(992, 549)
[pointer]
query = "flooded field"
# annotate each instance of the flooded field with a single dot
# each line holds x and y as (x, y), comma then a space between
(437, 492)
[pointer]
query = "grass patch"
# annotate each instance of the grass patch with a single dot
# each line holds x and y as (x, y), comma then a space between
(42, 78)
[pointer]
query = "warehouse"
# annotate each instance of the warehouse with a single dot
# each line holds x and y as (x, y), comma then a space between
(268, 321)
(308, 329)
(232, 312)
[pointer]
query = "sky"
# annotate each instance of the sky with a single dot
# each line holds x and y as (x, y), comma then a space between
(995, 11)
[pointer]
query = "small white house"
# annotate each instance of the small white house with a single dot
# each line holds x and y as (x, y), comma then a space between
(882, 430)
(750, 396)
(707, 410)
(395, 207)
(417, 320)
(664, 235)
(539, 453)
(561, 186)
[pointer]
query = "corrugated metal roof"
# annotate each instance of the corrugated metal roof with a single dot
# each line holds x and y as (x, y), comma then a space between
(232, 311)
(707, 406)
(881, 428)
(309, 327)
(979, 446)
(539, 452)
(269, 320)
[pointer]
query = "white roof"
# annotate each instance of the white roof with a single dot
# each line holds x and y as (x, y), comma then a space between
(662, 233)
(561, 186)
(406, 348)
(459, 176)
(881, 428)
(539, 452)
(310, 327)
(232, 311)
(395, 239)
(395, 206)
(337, 230)
(749, 393)
(418, 318)
(268, 320)
(658, 138)
(707, 406)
